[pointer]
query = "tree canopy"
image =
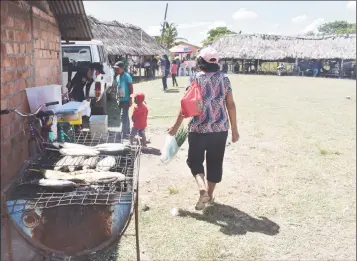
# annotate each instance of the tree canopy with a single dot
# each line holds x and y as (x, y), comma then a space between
(338, 27)
(170, 36)
(216, 33)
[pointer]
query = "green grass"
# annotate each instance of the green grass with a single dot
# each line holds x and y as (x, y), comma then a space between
(173, 191)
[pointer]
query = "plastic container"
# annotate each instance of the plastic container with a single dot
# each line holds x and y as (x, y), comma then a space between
(37, 96)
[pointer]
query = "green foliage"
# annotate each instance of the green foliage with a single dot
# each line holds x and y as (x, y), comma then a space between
(216, 33)
(170, 36)
(338, 27)
(310, 33)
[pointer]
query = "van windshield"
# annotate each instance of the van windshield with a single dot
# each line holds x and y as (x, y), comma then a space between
(74, 54)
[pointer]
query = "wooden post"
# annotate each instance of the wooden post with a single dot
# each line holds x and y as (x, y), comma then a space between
(243, 66)
(139, 68)
(258, 72)
(296, 65)
(341, 69)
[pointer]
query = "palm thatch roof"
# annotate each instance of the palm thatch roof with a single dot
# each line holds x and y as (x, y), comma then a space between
(123, 39)
(274, 47)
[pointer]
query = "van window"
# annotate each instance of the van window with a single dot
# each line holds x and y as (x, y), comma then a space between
(76, 55)
(101, 56)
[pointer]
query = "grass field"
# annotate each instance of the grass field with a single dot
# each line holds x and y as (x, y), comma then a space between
(288, 190)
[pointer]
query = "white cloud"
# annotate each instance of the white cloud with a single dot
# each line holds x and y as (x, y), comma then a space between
(314, 25)
(192, 25)
(244, 14)
(154, 30)
(299, 19)
(275, 30)
(351, 5)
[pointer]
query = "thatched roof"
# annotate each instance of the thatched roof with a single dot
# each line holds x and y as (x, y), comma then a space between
(273, 47)
(122, 39)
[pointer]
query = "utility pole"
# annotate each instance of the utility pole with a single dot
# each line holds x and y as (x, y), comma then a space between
(163, 26)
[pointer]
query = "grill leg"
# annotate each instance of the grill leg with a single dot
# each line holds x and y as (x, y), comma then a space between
(137, 224)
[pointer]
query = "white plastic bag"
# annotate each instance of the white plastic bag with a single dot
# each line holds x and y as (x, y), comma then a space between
(170, 149)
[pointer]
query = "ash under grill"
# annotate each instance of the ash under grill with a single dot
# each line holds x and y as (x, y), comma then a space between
(24, 197)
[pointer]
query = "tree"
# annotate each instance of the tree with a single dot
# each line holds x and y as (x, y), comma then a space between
(338, 27)
(216, 33)
(170, 36)
(310, 33)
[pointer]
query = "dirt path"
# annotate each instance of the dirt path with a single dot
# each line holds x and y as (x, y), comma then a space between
(288, 190)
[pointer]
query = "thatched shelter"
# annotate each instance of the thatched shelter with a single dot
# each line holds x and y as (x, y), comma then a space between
(274, 48)
(125, 39)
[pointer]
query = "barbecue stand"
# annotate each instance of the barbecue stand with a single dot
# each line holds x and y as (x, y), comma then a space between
(69, 223)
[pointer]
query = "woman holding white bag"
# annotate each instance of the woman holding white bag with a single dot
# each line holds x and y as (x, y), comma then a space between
(208, 131)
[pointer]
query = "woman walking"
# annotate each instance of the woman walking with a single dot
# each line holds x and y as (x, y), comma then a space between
(208, 132)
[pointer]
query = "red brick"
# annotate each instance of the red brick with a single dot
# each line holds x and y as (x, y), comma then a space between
(16, 48)
(43, 26)
(5, 90)
(10, 35)
(22, 48)
(9, 48)
(20, 23)
(17, 35)
(5, 132)
(4, 7)
(10, 21)
(28, 26)
(4, 104)
(29, 48)
(22, 84)
(5, 148)
(16, 126)
(29, 82)
(28, 60)
(21, 61)
(14, 100)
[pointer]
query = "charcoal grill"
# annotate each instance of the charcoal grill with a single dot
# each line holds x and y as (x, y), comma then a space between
(68, 223)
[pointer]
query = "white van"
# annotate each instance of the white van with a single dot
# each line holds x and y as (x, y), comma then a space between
(89, 51)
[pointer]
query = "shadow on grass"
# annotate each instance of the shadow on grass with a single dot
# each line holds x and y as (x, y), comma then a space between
(172, 91)
(233, 221)
(150, 150)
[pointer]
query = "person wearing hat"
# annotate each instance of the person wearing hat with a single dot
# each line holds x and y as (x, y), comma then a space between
(208, 132)
(125, 89)
(84, 77)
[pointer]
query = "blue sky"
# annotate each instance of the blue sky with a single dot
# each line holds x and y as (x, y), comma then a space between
(195, 18)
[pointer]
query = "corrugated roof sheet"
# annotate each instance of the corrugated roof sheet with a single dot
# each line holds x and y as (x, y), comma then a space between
(72, 20)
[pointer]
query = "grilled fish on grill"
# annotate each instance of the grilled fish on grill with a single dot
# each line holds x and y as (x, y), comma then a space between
(111, 147)
(55, 183)
(106, 164)
(89, 177)
(68, 145)
(63, 163)
(77, 163)
(90, 163)
(79, 152)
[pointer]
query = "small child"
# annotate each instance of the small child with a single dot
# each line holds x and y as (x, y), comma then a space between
(139, 118)
(173, 73)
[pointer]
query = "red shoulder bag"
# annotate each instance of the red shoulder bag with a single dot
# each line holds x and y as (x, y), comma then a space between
(192, 102)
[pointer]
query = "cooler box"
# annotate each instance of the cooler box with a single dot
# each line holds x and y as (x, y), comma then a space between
(75, 119)
(37, 96)
(98, 123)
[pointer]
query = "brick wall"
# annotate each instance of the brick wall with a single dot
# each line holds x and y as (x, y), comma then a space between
(30, 56)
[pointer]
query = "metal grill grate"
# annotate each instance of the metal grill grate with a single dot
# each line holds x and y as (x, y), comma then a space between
(24, 197)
